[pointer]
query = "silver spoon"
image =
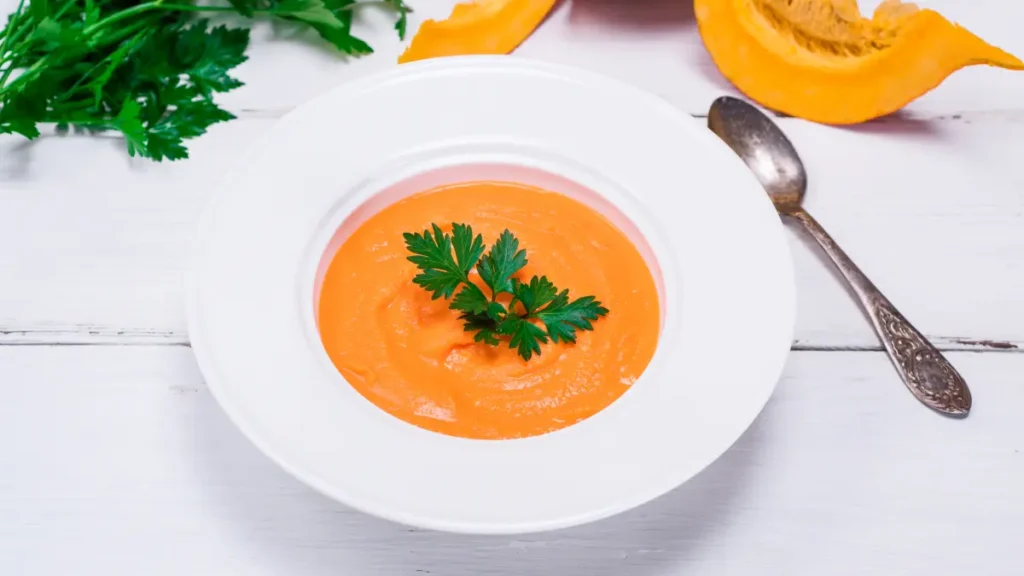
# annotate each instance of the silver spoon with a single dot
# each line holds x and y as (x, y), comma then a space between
(772, 158)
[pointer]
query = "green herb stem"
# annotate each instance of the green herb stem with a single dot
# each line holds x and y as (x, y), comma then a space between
(122, 15)
(12, 22)
(161, 5)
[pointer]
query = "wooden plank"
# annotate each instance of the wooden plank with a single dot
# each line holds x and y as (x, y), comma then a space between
(651, 43)
(95, 241)
(119, 459)
(933, 212)
(96, 245)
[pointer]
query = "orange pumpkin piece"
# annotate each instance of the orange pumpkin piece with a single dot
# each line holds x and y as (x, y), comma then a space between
(480, 27)
(821, 60)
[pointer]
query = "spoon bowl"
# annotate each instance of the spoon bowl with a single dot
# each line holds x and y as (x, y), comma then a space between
(763, 147)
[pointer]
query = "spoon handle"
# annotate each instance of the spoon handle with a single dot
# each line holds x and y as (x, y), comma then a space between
(925, 371)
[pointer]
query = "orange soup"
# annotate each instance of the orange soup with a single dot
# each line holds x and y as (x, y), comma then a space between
(409, 354)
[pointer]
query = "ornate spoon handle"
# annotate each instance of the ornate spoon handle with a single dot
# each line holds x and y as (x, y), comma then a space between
(925, 371)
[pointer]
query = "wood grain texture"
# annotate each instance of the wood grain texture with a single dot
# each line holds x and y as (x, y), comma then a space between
(119, 462)
(932, 210)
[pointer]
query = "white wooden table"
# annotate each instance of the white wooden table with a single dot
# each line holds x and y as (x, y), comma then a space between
(116, 460)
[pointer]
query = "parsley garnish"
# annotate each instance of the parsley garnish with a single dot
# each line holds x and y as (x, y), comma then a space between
(537, 311)
(148, 69)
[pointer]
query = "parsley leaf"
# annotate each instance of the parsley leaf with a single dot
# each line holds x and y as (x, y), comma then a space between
(403, 10)
(562, 318)
(485, 327)
(173, 75)
(206, 57)
(467, 248)
(189, 119)
(526, 337)
(332, 19)
(537, 293)
(471, 300)
(243, 7)
(440, 274)
(541, 302)
(504, 260)
(129, 123)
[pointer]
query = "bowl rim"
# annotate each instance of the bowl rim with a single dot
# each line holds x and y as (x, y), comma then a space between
(769, 328)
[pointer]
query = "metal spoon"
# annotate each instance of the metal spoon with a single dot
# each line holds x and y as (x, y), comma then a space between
(772, 158)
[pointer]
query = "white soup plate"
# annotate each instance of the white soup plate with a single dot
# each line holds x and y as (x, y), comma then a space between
(707, 230)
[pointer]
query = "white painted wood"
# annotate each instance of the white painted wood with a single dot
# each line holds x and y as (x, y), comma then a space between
(95, 245)
(933, 212)
(99, 241)
(117, 461)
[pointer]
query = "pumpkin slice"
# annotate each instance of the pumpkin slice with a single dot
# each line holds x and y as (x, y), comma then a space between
(481, 27)
(822, 61)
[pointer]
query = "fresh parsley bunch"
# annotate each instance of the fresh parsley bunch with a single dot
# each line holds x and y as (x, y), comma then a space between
(148, 69)
(533, 304)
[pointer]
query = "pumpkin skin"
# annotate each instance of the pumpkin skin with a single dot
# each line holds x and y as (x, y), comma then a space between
(822, 61)
(481, 27)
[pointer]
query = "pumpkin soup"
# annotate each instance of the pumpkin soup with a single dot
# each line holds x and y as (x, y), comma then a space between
(405, 350)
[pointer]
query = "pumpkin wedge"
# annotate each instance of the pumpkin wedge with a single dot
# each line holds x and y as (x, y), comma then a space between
(480, 27)
(822, 61)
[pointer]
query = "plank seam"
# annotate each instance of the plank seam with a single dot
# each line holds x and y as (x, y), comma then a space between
(88, 335)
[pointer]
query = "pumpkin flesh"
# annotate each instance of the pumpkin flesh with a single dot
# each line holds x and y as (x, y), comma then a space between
(822, 61)
(481, 27)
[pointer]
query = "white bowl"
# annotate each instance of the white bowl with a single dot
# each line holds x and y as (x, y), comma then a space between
(706, 228)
